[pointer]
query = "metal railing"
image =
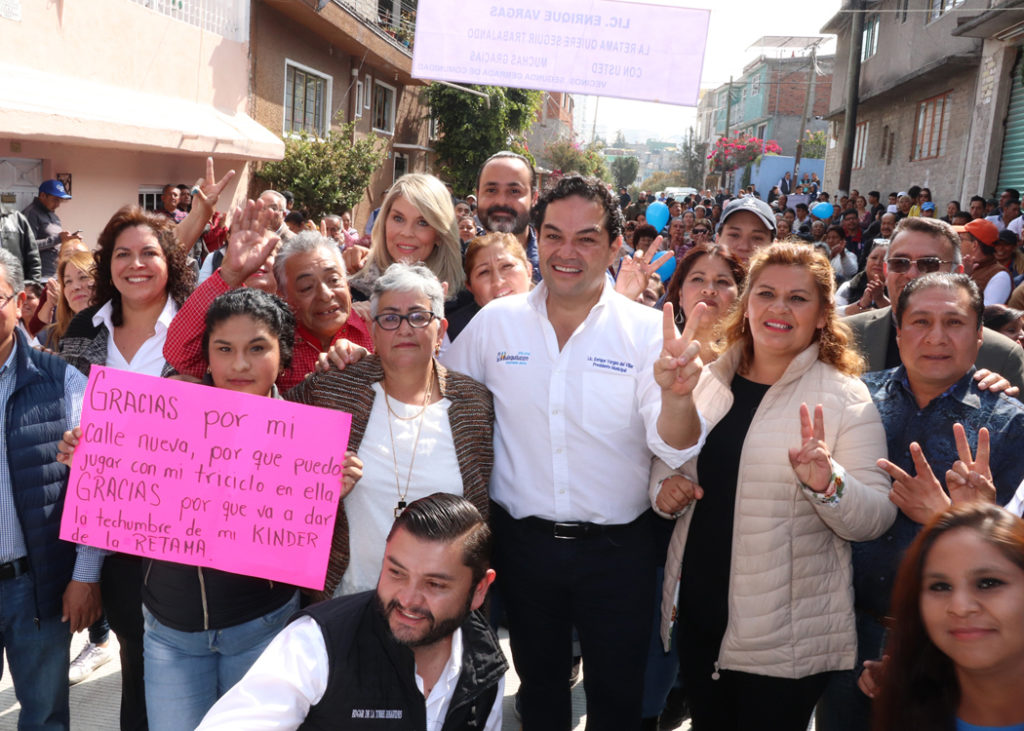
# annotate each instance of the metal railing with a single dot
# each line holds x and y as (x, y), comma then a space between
(228, 18)
(381, 15)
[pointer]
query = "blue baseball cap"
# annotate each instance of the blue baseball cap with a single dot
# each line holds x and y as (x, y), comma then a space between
(928, 206)
(54, 188)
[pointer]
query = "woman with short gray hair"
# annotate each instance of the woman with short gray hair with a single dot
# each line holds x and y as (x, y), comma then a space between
(418, 427)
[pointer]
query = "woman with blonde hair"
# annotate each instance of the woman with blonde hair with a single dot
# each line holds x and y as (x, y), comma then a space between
(758, 567)
(416, 224)
(75, 281)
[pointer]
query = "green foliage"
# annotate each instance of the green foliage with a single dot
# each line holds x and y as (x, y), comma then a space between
(814, 145)
(470, 131)
(326, 175)
(661, 180)
(567, 156)
(624, 170)
(692, 157)
(745, 180)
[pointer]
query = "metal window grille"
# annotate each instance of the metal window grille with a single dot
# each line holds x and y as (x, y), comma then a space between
(932, 127)
(228, 18)
(304, 101)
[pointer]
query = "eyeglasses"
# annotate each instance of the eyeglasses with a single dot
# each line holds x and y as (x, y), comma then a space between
(925, 265)
(393, 320)
(700, 232)
(5, 300)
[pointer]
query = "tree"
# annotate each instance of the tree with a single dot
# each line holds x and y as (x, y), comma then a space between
(661, 180)
(327, 175)
(691, 162)
(814, 146)
(471, 129)
(567, 156)
(624, 171)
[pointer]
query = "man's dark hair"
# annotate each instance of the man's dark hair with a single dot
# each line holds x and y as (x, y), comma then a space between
(942, 280)
(288, 196)
(874, 194)
(444, 518)
(893, 194)
(851, 212)
(590, 189)
(1014, 194)
(960, 218)
(913, 191)
(508, 154)
(802, 207)
(956, 203)
(295, 217)
(977, 198)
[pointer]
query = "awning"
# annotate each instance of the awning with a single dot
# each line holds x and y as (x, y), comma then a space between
(58, 108)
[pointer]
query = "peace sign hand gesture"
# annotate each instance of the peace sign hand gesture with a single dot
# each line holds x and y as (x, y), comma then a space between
(919, 497)
(635, 271)
(970, 479)
(250, 245)
(812, 461)
(208, 189)
(678, 368)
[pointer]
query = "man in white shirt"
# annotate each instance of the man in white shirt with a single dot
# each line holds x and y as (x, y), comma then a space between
(587, 387)
(415, 652)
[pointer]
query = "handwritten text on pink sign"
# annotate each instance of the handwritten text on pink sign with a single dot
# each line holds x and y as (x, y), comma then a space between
(207, 477)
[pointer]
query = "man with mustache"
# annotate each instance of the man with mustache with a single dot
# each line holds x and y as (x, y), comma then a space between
(416, 651)
(506, 187)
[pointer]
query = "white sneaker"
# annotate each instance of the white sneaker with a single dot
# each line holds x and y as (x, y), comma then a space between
(91, 657)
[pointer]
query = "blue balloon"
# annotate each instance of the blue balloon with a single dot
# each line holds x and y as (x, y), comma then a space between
(657, 215)
(822, 210)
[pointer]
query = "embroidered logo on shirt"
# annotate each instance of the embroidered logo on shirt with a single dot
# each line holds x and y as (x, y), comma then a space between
(520, 358)
(608, 364)
(376, 713)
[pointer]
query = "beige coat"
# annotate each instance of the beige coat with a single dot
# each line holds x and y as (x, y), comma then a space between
(790, 584)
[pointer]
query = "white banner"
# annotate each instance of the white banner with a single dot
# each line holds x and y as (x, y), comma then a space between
(596, 47)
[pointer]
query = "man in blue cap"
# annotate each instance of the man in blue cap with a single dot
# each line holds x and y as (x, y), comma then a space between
(46, 227)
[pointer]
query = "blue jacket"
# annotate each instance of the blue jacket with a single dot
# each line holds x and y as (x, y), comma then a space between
(35, 420)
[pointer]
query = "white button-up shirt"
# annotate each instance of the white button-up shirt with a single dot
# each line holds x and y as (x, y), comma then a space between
(574, 428)
(149, 359)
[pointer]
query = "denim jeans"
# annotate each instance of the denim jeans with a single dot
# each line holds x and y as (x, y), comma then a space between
(186, 672)
(37, 657)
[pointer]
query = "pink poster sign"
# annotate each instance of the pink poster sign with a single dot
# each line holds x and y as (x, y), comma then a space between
(206, 477)
(611, 48)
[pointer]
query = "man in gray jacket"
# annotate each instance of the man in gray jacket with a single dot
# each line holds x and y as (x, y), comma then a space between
(16, 237)
(47, 230)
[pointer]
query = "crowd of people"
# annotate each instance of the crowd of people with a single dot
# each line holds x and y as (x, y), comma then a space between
(748, 462)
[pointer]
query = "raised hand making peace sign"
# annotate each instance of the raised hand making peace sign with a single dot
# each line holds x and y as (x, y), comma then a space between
(812, 461)
(635, 271)
(920, 496)
(970, 479)
(678, 368)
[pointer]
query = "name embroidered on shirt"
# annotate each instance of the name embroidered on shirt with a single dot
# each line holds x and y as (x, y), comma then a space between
(520, 358)
(376, 713)
(618, 366)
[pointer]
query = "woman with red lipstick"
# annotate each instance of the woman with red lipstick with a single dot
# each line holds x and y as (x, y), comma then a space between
(758, 568)
(711, 274)
(956, 650)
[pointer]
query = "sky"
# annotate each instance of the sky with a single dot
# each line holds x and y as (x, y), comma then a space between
(735, 25)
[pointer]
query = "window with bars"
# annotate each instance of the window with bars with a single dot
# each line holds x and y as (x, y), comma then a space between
(306, 101)
(938, 8)
(860, 145)
(383, 108)
(869, 38)
(932, 127)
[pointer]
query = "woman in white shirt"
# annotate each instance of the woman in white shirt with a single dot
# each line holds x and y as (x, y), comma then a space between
(418, 427)
(142, 277)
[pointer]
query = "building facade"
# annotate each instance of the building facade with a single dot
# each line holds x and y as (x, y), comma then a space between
(316, 68)
(935, 87)
(119, 97)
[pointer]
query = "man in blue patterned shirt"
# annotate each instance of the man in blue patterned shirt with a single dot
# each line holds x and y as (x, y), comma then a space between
(939, 332)
(48, 588)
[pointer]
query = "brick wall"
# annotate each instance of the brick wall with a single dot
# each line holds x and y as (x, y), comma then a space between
(788, 97)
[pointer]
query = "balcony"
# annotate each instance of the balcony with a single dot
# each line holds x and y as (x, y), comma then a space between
(227, 18)
(394, 20)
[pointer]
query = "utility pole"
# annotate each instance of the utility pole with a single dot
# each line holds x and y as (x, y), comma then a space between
(812, 77)
(852, 91)
(728, 108)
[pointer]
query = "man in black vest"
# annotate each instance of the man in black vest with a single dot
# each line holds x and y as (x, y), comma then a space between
(413, 654)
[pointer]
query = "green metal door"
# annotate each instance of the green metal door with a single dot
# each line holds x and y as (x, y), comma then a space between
(1011, 169)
